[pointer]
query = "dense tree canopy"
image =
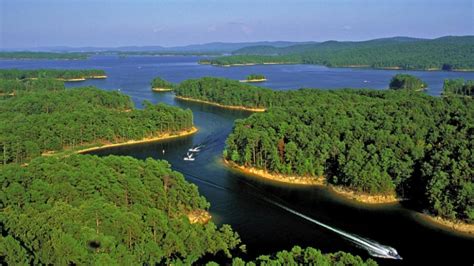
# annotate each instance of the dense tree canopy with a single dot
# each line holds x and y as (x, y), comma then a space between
(407, 82)
(161, 83)
(14, 86)
(64, 74)
(45, 120)
(446, 53)
(458, 87)
(112, 210)
(307, 256)
(255, 77)
(226, 92)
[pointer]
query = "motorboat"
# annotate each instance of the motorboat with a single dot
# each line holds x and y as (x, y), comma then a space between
(386, 253)
(195, 149)
(189, 157)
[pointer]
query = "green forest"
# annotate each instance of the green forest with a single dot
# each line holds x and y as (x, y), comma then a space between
(226, 92)
(407, 82)
(445, 53)
(458, 87)
(83, 209)
(51, 73)
(42, 55)
(112, 210)
(161, 84)
(376, 142)
(14, 86)
(307, 256)
(51, 118)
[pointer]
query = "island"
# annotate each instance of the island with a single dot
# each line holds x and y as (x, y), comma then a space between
(368, 145)
(450, 53)
(161, 85)
(254, 78)
(407, 82)
(223, 93)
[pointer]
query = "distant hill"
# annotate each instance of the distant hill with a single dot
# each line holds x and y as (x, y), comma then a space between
(445, 53)
(309, 47)
(214, 47)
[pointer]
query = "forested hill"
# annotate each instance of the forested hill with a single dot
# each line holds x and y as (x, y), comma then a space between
(446, 53)
(51, 118)
(103, 211)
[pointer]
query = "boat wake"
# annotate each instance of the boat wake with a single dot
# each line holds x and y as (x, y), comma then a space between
(375, 249)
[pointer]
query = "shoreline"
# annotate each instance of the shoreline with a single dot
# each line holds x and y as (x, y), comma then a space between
(252, 80)
(342, 66)
(161, 89)
(316, 181)
(165, 136)
(308, 181)
(365, 197)
(221, 105)
(456, 226)
(76, 79)
(101, 146)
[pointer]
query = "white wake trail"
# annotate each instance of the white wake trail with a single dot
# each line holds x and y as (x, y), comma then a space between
(374, 249)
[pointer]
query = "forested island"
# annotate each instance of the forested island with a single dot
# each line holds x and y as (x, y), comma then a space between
(60, 74)
(160, 85)
(224, 92)
(407, 82)
(43, 55)
(388, 144)
(254, 78)
(451, 53)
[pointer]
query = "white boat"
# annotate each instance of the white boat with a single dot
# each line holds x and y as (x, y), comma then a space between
(195, 149)
(189, 157)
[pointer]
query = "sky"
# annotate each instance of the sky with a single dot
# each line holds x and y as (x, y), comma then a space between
(113, 23)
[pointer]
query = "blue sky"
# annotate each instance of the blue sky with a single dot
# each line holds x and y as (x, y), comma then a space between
(36, 23)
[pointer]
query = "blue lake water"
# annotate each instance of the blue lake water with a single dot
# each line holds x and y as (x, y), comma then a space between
(246, 202)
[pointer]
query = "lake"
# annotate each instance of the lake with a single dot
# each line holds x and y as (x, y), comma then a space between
(248, 203)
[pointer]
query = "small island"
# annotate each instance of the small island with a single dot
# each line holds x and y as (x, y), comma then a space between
(255, 78)
(407, 82)
(161, 85)
(224, 93)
